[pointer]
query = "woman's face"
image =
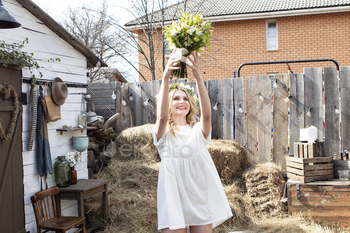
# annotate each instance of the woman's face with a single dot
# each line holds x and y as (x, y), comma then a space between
(180, 104)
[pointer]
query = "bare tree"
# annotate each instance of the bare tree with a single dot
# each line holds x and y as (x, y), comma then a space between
(93, 28)
(150, 19)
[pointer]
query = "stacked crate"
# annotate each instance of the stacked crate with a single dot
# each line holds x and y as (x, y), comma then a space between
(308, 163)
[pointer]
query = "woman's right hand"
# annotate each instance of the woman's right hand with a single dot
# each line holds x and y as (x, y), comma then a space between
(171, 65)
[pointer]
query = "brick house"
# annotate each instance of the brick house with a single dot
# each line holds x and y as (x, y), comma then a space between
(264, 30)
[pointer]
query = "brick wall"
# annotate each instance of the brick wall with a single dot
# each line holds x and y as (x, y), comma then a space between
(315, 36)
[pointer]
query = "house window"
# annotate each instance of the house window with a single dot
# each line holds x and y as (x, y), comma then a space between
(167, 51)
(271, 35)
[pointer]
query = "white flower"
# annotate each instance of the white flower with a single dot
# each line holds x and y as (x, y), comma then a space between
(192, 89)
(182, 24)
(172, 46)
(188, 87)
(191, 30)
(199, 32)
(173, 32)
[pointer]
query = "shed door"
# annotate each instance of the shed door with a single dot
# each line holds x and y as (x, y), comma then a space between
(11, 164)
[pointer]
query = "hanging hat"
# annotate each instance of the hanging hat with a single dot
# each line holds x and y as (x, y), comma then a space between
(59, 91)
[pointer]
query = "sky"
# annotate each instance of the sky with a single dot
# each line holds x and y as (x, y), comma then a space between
(117, 8)
(56, 10)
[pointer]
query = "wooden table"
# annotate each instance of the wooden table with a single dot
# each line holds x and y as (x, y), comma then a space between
(85, 188)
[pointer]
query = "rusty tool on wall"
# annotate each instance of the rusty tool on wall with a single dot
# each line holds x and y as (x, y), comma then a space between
(33, 115)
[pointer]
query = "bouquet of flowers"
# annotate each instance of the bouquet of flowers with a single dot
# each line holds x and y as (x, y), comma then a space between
(72, 158)
(189, 34)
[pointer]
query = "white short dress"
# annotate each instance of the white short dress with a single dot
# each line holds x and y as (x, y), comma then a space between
(189, 191)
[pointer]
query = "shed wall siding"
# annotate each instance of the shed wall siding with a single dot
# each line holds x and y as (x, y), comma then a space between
(45, 44)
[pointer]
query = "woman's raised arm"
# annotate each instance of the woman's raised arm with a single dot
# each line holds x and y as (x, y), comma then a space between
(163, 98)
(204, 100)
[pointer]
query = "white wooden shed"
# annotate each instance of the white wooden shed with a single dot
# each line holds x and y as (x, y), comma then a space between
(47, 39)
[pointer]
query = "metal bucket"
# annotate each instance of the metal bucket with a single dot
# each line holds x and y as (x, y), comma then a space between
(80, 143)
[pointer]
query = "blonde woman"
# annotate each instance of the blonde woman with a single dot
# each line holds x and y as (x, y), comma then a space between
(190, 196)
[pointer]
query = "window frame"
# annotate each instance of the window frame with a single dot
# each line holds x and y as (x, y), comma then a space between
(267, 32)
(167, 55)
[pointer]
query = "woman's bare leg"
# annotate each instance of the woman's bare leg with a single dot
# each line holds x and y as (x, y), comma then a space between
(201, 229)
(167, 230)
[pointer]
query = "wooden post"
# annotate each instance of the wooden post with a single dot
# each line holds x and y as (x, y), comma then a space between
(144, 97)
(331, 93)
(227, 93)
(264, 118)
(251, 104)
(345, 110)
(125, 112)
(215, 91)
(296, 110)
(240, 118)
(152, 105)
(280, 121)
(118, 103)
(314, 99)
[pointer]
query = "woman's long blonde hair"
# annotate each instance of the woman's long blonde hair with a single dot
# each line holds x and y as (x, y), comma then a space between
(191, 117)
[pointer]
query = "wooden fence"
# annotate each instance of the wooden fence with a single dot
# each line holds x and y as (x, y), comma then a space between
(254, 111)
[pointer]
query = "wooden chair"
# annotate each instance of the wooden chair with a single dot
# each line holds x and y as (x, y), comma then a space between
(44, 203)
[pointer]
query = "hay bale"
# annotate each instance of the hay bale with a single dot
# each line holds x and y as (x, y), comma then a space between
(132, 196)
(230, 159)
(265, 183)
(137, 143)
(235, 197)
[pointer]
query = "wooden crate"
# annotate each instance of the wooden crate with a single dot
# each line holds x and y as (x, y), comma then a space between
(309, 169)
(309, 150)
(326, 202)
(340, 165)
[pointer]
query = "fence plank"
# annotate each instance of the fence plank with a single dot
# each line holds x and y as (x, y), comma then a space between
(156, 87)
(125, 114)
(144, 97)
(314, 99)
(251, 106)
(118, 100)
(227, 94)
(297, 110)
(137, 99)
(345, 110)
(264, 110)
(331, 94)
(152, 105)
(215, 95)
(280, 121)
(240, 118)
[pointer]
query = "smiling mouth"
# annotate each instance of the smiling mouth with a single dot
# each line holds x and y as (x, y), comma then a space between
(184, 108)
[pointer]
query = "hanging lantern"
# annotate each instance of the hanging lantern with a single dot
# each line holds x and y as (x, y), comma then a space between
(7, 20)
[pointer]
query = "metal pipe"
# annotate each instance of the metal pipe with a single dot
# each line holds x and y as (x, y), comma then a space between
(278, 62)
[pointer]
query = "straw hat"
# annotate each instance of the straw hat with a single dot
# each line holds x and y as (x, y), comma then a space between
(59, 91)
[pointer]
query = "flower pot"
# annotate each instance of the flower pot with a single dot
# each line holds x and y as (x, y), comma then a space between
(62, 172)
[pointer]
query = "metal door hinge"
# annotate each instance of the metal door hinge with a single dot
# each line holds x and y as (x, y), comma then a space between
(22, 98)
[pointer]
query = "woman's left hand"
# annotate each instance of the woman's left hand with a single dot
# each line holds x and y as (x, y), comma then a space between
(195, 65)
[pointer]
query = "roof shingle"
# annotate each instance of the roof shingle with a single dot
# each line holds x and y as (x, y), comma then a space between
(210, 8)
